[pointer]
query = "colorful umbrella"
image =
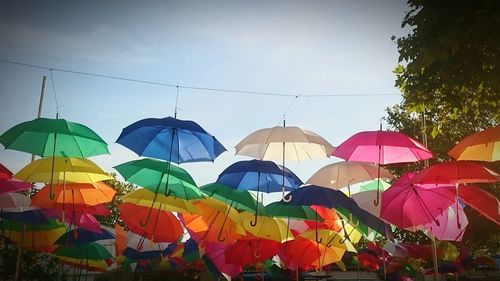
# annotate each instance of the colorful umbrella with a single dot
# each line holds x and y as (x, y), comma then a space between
(284, 210)
(33, 236)
(54, 137)
(406, 204)
(83, 253)
(381, 147)
(251, 250)
(482, 201)
(480, 146)
(78, 219)
(240, 199)
(62, 169)
(13, 185)
(344, 174)
(171, 139)
(259, 175)
(5, 173)
(80, 237)
(282, 143)
(380, 184)
(165, 228)
(144, 197)
(267, 227)
(216, 252)
(330, 238)
(308, 254)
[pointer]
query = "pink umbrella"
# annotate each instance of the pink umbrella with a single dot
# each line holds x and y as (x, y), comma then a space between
(482, 201)
(405, 204)
(382, 147)
(83, 220)
(217, 254)
(447, 230)
(13, 185)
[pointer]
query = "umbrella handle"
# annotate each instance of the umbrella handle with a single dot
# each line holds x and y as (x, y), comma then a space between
(320, 238)
(286, 198)
(143, 224)
(351, 221)
(219, 236)
(254, 222)
(341, 241)
(376, 201)
(329, 244)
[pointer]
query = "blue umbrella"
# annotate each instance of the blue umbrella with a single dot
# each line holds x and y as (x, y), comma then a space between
(259, 175)
(81, 236)
(171, 139)
(330, 198)
(34, 216)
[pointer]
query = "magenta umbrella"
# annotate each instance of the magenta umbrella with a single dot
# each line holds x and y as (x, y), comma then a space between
(405, 204)
(217, 254)
(381, 147)
(13, 185)
(447, 229)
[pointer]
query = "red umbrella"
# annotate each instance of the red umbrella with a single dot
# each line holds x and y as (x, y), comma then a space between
(166, 228)
(382, 147)
(482, 201)
(5, 173)
(405, 204)
(251, 250)
(456, 172)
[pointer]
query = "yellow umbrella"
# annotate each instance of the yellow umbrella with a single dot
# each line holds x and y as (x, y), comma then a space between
(62, 169)
(145, 197)
(34, 236)
(90, 265)
(267, 227)
(330, 238)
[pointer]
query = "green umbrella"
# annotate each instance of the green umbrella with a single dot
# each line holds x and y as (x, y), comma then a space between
(89, 251)
(239, 199)
(284, 210)
(151, 174)
(383, 185)
(365, 230)
(54, 137)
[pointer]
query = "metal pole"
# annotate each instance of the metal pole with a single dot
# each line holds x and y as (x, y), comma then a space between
(433, 239)
(19, 247)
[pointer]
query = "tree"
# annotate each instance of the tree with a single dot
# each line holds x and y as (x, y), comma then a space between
(121, 189)
(449, 72)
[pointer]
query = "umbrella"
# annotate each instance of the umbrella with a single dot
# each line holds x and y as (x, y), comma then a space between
(406, 204)
(267, 227)
(165, 228)
(13, 201)
(171, 139)
(5, 173)
(344, 174)
(13, 185)
(139, 248)
(330, 238)
(62, 169)
(144, 197)
(216, 252)
(446, 230)
(308, 254)
(482, 201)
(259, 175)
(54, 137)
(381, 147)
(365, 201)
(76, 197)
(33, 236)
(480, 146)
(80, 237)
(284, 210)
(383, 185)
(240, 199)
(251, 250)
(83, 253)
(282, 143)
(159, 176)
(79, 219)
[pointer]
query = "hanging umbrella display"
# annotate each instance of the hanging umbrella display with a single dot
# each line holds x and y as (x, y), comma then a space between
(482, 201)
(33, 236)
(81, 256)
(240, 199)
(61, 170)
(480, 146)
(406, 204)
(260, 176)
(54, 137)
(447, 229)
(165, 228)
(284, 143)
(381, 147)
(308, 254)
(345, 174)
(251, 250)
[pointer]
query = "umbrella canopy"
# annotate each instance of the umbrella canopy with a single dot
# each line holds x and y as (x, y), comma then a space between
(382, 147)
(284, 210)
(33, 236)
(456, 172)
(374, 185)
(365, 201)
(13, 185)
(249, 251)
(151, 174)
(144, 197)
(343, 174)
(240, 199)
(216, 252)
(171, 139)
(5, 173)
(74, 196)
(405, 204)
(330, 238)
(13, 200)
(259, 175)
(308, 254)
(90, 265)
(480, 146)
(448, 229)
(80, 237)
(165, 228)
(62, 169)
(482, 201)
(25, 214)
(267, 227)
(279, 142)
(78, 219)
(54, 137)
(88, 251)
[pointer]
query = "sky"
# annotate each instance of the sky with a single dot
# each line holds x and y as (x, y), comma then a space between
(339, 49)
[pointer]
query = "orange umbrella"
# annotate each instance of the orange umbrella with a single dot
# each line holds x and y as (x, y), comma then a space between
(480, 146)
(74, 197)
(308, 254)
(120, 240)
